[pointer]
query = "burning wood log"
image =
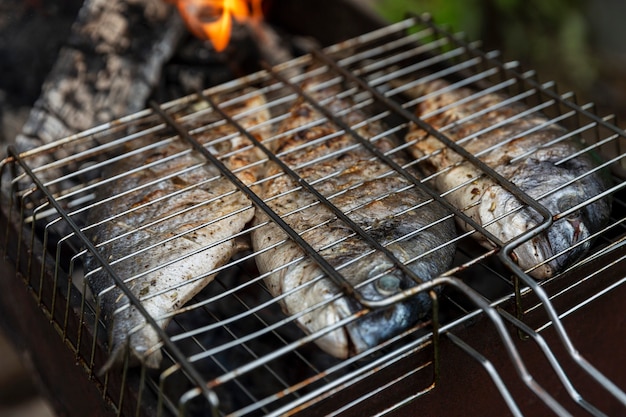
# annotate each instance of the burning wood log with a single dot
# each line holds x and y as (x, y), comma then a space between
(113, 58)
(115, 54)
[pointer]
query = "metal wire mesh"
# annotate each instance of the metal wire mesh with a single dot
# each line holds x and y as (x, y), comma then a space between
(232, 350)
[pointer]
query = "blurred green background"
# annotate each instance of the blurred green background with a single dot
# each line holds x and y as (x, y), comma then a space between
(579, 43)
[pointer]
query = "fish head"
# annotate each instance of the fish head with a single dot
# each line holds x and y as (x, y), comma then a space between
(569, 237)
(384, 280)
(422, 240)
(548, 253)
(558, 190)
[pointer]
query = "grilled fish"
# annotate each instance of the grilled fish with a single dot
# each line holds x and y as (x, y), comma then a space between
(527, 149)
(386, 205)
(170, 225)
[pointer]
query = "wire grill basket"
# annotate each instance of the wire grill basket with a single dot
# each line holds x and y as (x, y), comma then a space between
(232, 350)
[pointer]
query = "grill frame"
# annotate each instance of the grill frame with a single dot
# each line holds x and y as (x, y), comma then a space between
(531, 286)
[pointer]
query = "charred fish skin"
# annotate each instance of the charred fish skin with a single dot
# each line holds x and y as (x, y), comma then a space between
(379, 200)
(171, 226)
(525, 148)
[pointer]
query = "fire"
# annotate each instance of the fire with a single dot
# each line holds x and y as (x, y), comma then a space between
(213, 19)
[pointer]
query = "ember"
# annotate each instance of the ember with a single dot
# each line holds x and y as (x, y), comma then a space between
(212, 19)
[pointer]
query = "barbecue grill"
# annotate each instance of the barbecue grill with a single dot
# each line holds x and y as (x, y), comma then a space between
(528, 347)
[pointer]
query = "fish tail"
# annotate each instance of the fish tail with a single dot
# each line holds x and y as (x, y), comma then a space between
(123, 350)
(116, 357)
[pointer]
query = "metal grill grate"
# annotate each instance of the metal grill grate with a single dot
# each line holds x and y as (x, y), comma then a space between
(232, 350)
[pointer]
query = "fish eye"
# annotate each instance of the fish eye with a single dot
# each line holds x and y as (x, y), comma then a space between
(574, 216)
(388, 284)
(567, 203)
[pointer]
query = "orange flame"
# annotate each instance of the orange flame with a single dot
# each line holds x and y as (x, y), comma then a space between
(212, 19)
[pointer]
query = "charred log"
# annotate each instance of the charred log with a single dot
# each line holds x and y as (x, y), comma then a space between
(112, 60)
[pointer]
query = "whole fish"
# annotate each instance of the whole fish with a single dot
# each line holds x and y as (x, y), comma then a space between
(379, 200)
(526, 148)
(170, 223)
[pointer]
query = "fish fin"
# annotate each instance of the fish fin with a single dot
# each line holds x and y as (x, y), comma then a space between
(241, 244)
